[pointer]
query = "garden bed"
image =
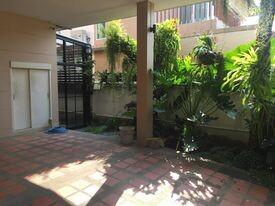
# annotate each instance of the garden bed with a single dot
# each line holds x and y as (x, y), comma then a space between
(231, 156)
(234, 154)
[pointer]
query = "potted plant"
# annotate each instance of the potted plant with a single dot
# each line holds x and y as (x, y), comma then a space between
(127, 133)
(204, 51)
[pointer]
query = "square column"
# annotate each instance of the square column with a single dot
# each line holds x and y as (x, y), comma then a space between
(145, 62)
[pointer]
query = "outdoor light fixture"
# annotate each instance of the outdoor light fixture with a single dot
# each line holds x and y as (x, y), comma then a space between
(153, 28)
(88, 49)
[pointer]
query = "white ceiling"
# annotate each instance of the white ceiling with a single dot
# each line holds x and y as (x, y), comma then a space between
(74, 13)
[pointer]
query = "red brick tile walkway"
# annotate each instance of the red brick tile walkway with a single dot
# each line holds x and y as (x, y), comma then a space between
(84, 169)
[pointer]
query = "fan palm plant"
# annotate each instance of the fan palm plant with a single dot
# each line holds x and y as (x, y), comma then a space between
(193, 106)
(200, 96)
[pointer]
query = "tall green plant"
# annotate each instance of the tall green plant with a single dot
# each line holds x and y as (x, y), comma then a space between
(252, 76)
(88, 72)
(113, 33)
(200, 93)
(119, 45)
(247, 79)
(166, 46)
(260, 117)
(256, 93)
(168, 64)
(121, 52)
(261, 72)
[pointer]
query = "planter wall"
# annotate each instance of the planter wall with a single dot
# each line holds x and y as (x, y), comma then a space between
(110, 102)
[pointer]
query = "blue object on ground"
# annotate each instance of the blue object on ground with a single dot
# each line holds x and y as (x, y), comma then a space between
(56, 130)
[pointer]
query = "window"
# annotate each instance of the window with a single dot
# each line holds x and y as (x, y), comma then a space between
(196, 12)
(59, 48)
(99, 31)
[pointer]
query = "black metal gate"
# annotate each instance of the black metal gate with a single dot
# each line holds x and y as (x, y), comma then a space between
(73, 95)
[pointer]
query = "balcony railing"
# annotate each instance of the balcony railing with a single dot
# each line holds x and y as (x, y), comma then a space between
(188, 14)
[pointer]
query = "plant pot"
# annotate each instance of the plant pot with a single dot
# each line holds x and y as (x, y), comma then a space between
(126, 134)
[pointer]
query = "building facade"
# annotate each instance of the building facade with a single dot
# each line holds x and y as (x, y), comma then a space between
(28, 74)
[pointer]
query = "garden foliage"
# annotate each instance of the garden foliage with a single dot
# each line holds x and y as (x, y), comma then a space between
(206, 77)
(121, 53)
(204, 81)
(166, 46)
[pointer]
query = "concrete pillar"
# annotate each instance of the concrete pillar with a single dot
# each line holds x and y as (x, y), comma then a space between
(145, 61)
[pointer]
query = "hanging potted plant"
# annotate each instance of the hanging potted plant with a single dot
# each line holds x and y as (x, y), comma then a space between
(204, 51)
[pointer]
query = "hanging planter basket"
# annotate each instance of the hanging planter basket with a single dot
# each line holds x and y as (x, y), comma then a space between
(206, 58)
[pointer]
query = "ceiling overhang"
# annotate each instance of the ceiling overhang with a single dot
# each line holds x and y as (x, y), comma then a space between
(75, 13)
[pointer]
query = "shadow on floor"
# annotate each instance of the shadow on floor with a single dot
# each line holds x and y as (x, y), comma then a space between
(84, 169)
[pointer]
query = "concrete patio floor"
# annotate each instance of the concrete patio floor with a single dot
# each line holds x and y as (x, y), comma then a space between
(83, 169)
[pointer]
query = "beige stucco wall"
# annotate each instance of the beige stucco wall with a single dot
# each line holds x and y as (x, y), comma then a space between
(110, 102)
(130, 26)
(226, 39)
(101, 61)
(26, 40)
(193, 29)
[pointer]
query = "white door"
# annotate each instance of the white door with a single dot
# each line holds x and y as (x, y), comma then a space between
(21, 99)
(40, 99)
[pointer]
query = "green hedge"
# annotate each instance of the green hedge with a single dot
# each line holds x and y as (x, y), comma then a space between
(243, 48)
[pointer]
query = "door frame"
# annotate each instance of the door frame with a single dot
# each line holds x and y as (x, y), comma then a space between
(31, 66)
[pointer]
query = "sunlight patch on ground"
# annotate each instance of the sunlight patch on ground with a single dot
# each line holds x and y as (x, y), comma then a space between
(64, 181)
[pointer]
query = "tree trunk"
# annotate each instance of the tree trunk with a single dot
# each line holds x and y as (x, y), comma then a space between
(264, 33)
(264, 30)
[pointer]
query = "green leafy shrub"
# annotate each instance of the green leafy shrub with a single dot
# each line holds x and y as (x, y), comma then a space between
(249, 160)
(95, 129)
(238, 156)
(114, 35)
(121, 52)
(112, 124)
(265, 177)
(222, 154)
(244, 48)
(129, 78)
(255, 88)
(166, 46)
(109, 79)
(241, 78)
(229, 55)
(88, 71)
(119, 45)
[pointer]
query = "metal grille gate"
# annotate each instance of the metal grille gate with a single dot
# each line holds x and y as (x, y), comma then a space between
(73, 96)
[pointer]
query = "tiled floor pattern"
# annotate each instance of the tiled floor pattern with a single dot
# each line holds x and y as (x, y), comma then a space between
(82, 169)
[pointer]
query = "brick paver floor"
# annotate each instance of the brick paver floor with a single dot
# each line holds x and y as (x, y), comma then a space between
(84, 169)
